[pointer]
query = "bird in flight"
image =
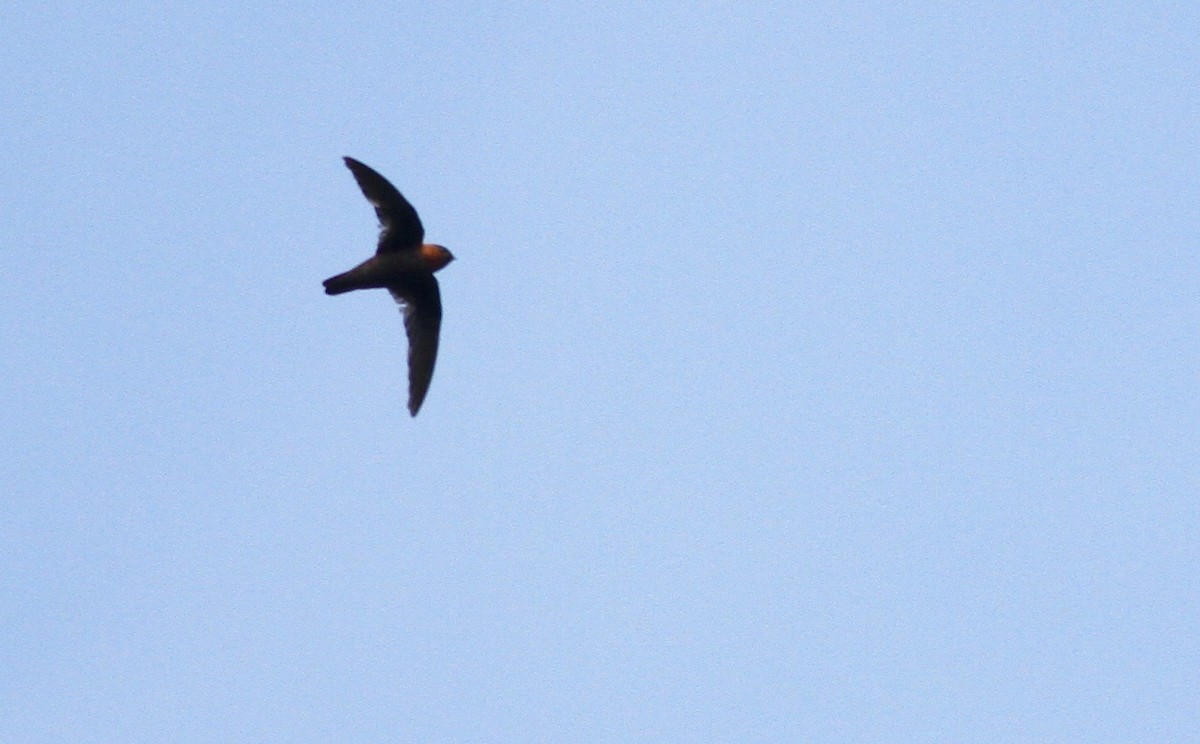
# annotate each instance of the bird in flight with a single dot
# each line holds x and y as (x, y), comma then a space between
(403, 264)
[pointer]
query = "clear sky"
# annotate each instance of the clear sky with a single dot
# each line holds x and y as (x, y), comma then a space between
(810, 371)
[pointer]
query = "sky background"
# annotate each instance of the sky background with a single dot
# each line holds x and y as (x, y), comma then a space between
(810, 371)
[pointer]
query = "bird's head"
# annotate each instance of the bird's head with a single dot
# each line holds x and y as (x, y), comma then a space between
(435, 257)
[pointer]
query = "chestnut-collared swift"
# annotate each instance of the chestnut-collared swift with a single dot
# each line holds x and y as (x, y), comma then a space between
(404, 265)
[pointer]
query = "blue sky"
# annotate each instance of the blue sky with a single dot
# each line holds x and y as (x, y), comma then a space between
(809, 372)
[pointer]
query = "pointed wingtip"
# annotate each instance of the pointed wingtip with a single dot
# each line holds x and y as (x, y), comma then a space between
(414, 404)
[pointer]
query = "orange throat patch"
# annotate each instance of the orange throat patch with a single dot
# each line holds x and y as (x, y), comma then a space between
(434, 257)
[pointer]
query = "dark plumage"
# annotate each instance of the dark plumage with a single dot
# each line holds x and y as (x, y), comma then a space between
(403, 265)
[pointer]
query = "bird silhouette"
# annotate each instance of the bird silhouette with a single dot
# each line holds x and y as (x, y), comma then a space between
(404, 265)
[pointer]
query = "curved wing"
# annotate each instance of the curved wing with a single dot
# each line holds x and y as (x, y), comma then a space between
(421, 303)
(401, 227)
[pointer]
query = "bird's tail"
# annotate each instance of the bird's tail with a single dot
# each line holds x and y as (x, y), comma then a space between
(336, 285)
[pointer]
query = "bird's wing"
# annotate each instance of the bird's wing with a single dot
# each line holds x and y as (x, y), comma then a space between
(400, 226)
(422, 306)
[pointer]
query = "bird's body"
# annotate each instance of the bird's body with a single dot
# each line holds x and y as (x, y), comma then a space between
(404, 265)
(383, 270)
